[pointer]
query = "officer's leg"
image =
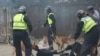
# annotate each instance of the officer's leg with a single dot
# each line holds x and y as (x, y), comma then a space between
(73, 49)
(84, 49)
(27, 43)
(50, 41)
(93, 51)
(95, 37)
(16, 41)
(96, 52)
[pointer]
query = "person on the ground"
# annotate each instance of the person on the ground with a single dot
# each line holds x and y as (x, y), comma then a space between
(43, 48)
(43, 44)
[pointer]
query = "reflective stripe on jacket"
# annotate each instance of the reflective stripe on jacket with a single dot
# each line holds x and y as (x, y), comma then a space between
(88, 24)
(18, 22)
(49, 19)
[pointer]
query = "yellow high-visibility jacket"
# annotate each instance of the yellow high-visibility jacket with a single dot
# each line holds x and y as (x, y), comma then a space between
(18, 22)
(88, 24)
(50, 22)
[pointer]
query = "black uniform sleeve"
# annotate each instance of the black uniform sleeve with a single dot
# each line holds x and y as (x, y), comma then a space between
(28, 23)
(78, 29)
(46, 23)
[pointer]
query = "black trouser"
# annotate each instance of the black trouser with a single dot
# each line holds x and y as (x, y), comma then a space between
(44, 52)
(19, 36)
(76, 47)
(90, 41)
(50, 38)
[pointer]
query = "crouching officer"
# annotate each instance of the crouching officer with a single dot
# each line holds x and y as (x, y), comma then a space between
(90, 28)
(20, 26)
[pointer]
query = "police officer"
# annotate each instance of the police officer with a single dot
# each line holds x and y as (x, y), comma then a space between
(90, 28)
(50, 22)
(20, 26)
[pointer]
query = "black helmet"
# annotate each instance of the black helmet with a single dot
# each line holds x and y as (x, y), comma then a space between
(80, 13)
(22, 9)
(48, 9)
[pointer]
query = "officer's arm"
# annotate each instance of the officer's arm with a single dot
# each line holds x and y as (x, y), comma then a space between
(46, 23)
(28, 23)
(12, 23)
(78, 29)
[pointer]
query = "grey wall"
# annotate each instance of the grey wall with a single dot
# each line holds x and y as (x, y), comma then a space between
(65, 13)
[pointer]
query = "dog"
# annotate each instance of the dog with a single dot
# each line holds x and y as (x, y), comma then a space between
(61, 40)
(76, 48)
(22, 47)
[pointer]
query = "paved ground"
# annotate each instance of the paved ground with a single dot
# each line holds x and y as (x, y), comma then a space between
(6, 50)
